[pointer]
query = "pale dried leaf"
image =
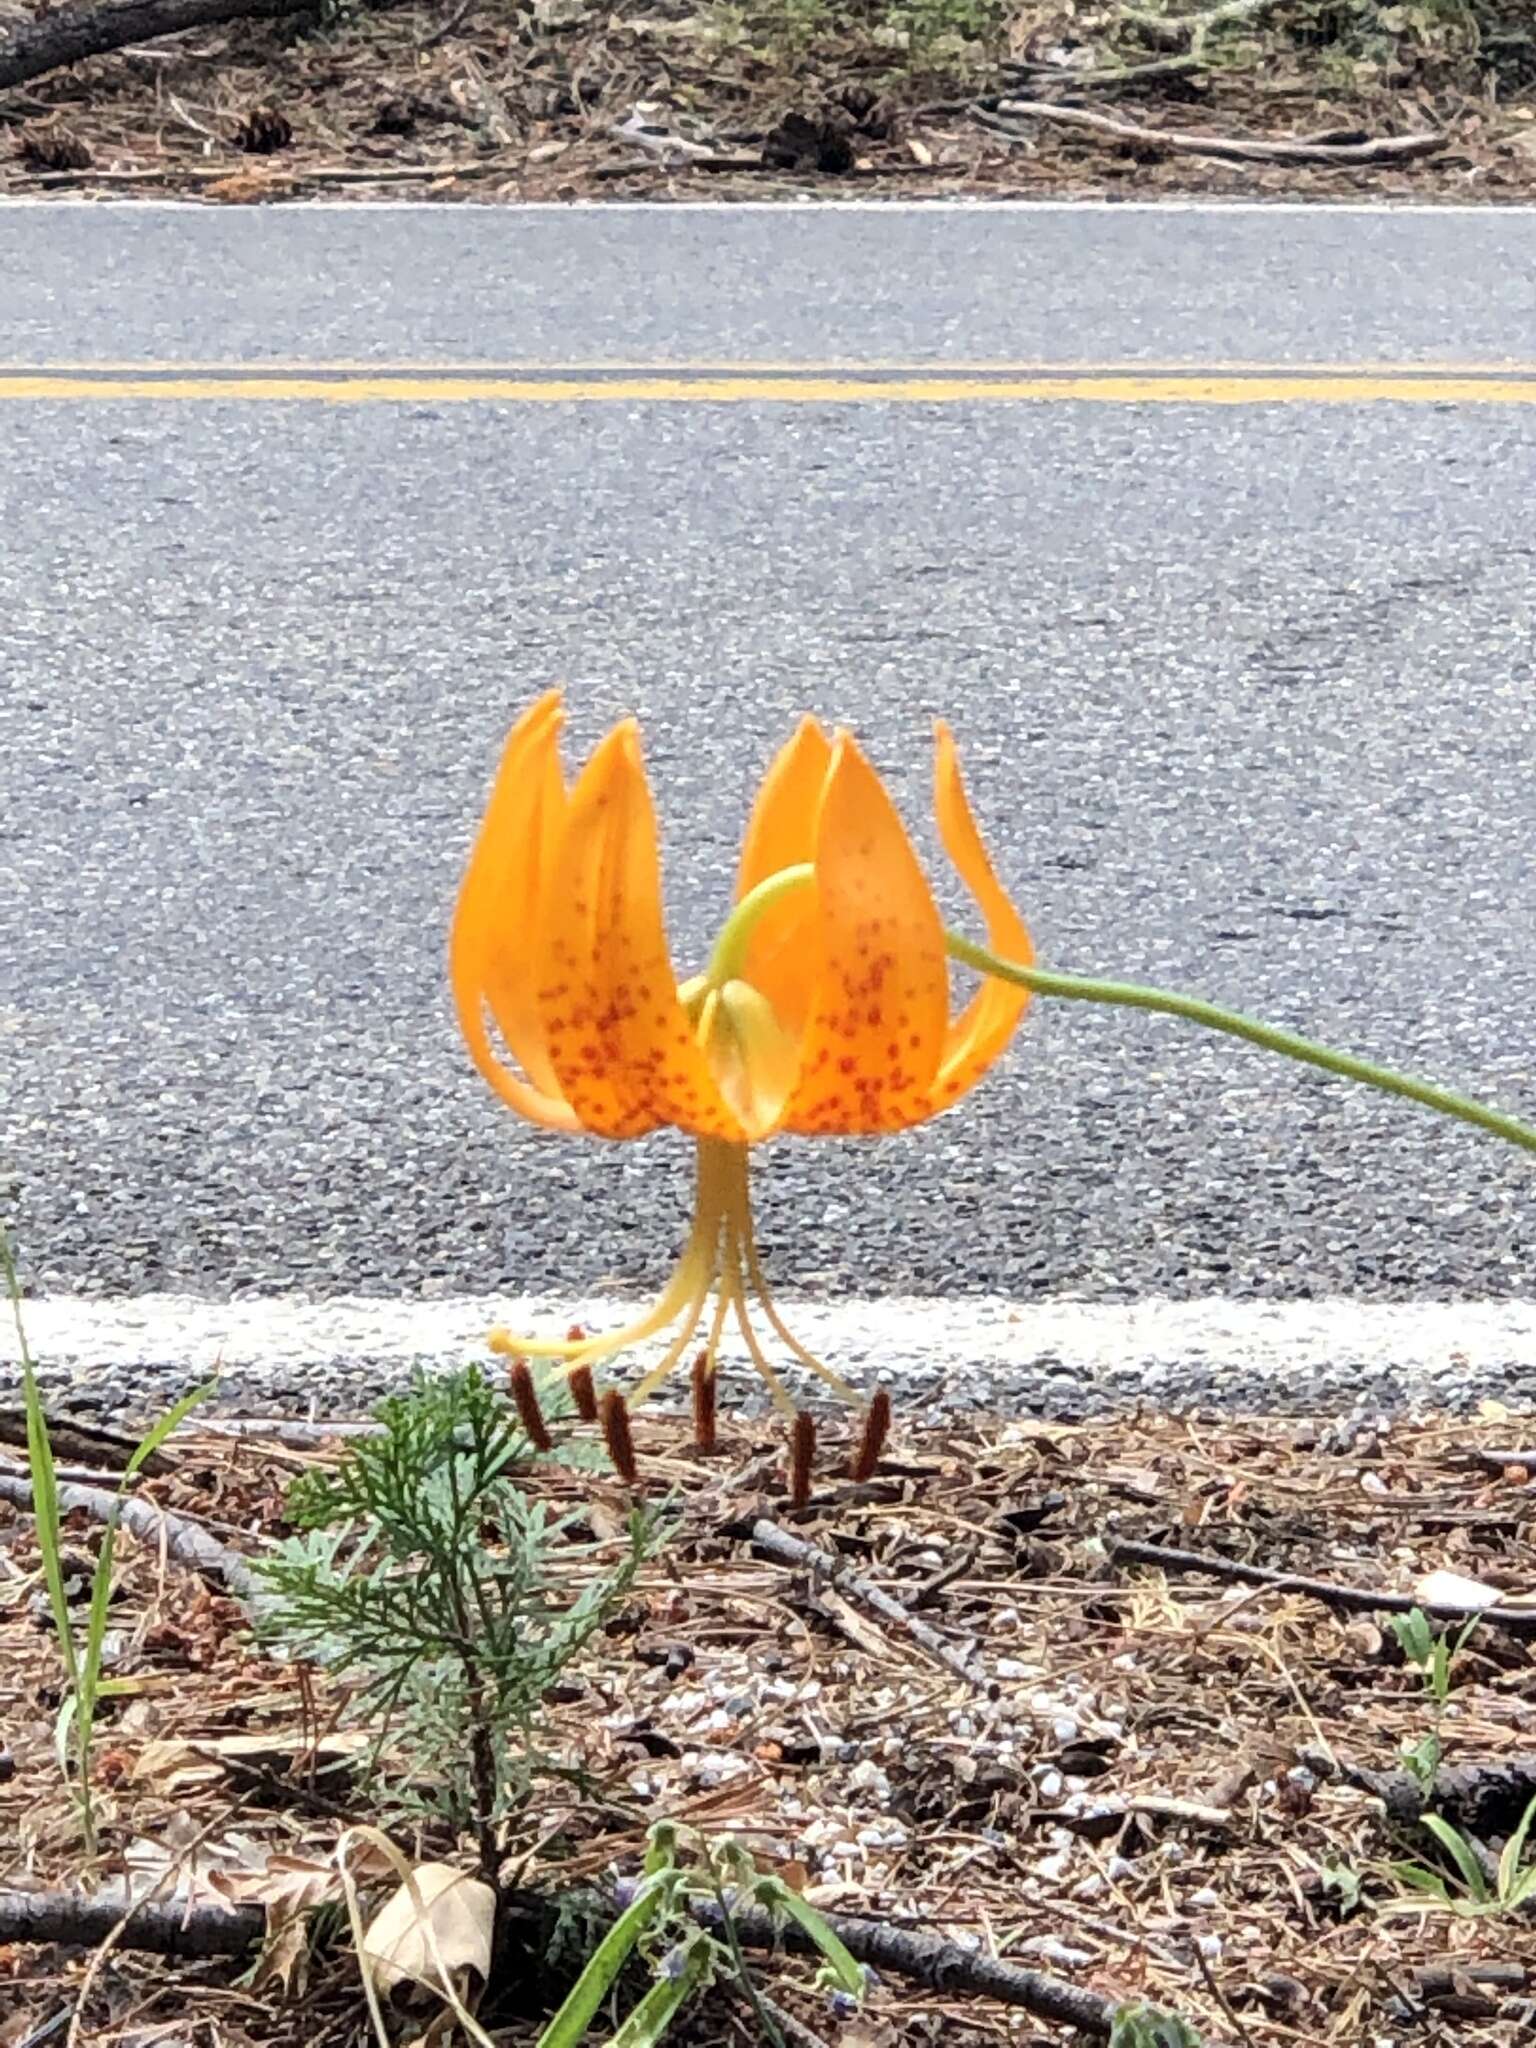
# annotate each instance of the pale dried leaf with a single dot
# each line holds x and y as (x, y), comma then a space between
(283, 1965)
(1452, 1589)
(456, 1911)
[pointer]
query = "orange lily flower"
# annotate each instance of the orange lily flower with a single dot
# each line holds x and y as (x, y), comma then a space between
(825, 1008)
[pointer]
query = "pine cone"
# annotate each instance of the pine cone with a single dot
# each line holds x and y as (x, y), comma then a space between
(396, 117)
(264, 131)
(54, 149)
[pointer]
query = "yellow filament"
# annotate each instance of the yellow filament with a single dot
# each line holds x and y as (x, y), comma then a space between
(720, 1258)
(776, 1322)
(674, 1351)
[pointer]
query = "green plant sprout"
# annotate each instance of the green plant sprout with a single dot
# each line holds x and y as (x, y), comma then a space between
(424, 1569)
(84, 1686)
(1432, 1655)
(657, 1922)
(1148, 2026)
(1476, 1892)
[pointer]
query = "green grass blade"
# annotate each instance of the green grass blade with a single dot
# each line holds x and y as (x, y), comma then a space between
(45, 1486)
(649, 2021)
(96, 1632)
(1514, 1849)
(172, 1419)
(776, 1895)
(63, 1726)
(1461, 1854)
(570, 2023)
(45, 1513)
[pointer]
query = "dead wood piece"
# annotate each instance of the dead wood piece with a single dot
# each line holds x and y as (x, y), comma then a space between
(920, 1956)
(940, 1965)
(68, 36)
(1480, 1799)
(1109, 77)
(1347, 1599)
(76, 1442)
(1279, 149)
(778, 1543)
(185, 1540)
(1444, 1980)
(79, 1921)
(1189, 31)
(1160, 1806)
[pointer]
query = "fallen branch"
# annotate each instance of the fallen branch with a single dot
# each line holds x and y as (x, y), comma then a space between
(1108, 77)
(186, 1541)
(160, 1929)
(1189, 31)
(83, 1443)
(50, 41)
(1347, 1599)
(1480, 1799)
(921, 1957)
(1279, 149)
(777, 1542)
(938, 1965)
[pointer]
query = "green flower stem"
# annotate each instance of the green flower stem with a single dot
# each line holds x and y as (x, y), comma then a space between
(729, 956)
(1083, 988)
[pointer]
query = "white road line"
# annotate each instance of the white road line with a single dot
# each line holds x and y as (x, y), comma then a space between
(798, 204)
(987, 1339)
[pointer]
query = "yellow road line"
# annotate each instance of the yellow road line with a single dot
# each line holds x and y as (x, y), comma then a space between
(582, 368)
(1195, 386)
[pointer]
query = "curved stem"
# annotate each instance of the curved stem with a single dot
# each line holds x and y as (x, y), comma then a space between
(725, 962)
(1131, 995)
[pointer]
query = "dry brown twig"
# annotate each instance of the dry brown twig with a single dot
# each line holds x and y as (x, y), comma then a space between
(1519, 1621)
(778, 1543)
(1277, 149)
(188, 1542)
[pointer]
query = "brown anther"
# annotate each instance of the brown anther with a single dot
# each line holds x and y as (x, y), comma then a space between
(704, 1436)
(575, 1334)
(616, 1435)
(802, 1455)
(520, 1385)
(583, 1392)
(877, 1425)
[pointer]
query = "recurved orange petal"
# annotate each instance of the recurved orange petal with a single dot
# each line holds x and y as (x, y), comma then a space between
(989, 1020)
(491, 940)
(783, 957)
(873, 1044)
(619, 1040)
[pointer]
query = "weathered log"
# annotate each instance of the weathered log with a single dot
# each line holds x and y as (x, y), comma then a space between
(70, 35)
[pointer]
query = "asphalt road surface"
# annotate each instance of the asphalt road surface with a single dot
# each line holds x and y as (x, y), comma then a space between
(1244, 693)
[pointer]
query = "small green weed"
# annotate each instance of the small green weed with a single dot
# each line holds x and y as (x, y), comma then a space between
(84, 1686)
(1472, 1891)
(425, 1571)
(1433, 1656)
(657, 1922)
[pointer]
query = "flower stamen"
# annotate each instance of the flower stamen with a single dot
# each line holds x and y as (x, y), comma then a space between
(720, 1259)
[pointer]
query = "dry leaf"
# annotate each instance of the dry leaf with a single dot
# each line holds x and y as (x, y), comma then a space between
(178, 1766)
(247, 188)
(283, 1884)
(283, 1965)
(1451, 1589)
(457, 1911)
